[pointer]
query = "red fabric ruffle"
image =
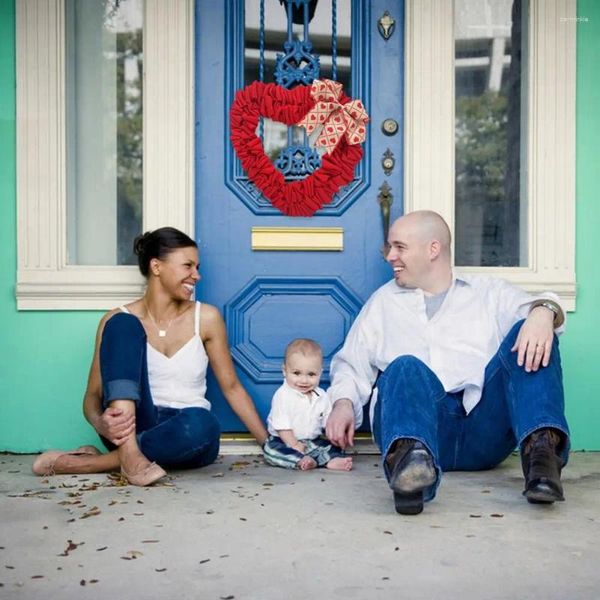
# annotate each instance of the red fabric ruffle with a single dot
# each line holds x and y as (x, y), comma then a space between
(296, 198)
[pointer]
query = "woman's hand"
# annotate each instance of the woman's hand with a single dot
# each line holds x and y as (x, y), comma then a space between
(116, 425)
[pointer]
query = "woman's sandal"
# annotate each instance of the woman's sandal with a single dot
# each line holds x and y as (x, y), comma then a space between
(44, 464)
(151, 474)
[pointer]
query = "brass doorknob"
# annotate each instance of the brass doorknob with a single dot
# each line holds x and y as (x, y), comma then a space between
(389, 127)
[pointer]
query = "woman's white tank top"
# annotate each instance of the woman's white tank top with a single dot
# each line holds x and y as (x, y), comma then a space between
(179, 381)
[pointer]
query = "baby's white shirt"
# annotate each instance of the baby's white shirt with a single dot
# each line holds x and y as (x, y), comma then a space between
(304, 414)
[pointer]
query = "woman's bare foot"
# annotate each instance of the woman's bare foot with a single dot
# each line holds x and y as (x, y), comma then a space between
(306, 463)
(340, 463)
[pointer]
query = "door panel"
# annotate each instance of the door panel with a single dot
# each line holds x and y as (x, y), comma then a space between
(269, 297)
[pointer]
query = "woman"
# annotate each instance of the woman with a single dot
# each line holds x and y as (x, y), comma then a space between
(146, 388)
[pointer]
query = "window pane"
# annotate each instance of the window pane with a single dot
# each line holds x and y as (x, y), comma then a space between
(490, 132)
(275, 136)
(104, 130)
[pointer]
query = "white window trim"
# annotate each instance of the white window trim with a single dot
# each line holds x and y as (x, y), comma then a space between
(44, 279)
(429, 130)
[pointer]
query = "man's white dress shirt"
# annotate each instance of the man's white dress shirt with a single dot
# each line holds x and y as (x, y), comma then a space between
(304, 414)
(456, 344)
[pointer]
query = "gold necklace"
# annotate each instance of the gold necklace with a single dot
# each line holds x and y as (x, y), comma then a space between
(161, 332)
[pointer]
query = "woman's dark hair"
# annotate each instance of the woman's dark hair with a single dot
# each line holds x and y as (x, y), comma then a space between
(157, 244)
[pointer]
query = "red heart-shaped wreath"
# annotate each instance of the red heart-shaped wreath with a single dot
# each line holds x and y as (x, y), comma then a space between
(296, 198)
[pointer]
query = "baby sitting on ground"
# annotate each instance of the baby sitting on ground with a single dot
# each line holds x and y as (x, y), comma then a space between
(298, 414)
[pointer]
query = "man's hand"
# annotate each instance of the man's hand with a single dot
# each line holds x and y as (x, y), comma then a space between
(116, 425)
(340, 424)
(534, 342)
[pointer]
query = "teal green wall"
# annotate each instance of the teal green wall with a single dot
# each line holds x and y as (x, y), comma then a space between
(581, 347)
(44, 356)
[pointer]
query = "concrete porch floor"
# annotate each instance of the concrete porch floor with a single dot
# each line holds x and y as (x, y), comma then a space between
(241, 530)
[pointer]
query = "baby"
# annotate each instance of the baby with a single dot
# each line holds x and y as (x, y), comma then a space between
(298, 413)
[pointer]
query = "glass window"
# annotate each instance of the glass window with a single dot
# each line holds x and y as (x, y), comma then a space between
(264, 44)
(104, 66)
(490, 132)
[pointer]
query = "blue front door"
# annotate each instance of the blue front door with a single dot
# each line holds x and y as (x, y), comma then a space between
(277, 277)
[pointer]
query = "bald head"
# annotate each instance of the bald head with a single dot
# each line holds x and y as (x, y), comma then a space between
(419, 251)
(427, 226)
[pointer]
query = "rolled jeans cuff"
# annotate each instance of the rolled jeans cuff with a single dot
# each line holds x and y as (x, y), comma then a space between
(121, 389)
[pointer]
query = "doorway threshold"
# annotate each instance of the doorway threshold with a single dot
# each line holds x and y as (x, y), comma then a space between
(244, 444)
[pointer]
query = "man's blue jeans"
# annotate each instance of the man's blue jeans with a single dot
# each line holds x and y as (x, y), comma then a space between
(184, 438)
(413, 404)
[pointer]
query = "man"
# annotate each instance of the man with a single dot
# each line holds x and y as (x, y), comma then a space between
(461, 379)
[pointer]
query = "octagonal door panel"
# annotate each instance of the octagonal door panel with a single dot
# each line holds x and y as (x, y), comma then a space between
(276, 277)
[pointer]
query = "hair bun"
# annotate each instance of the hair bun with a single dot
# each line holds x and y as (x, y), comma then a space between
(158, 244)
(140, 242)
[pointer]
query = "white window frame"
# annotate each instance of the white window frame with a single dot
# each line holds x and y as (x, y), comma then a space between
(550, 170)
(44, 279)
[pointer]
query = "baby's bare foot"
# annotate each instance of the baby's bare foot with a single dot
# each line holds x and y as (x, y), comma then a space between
(306, 463)
(340, 463)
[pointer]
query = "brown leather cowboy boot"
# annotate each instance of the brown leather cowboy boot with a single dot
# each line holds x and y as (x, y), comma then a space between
(541, 467)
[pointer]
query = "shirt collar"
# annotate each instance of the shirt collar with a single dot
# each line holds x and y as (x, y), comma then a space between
(313, 393)
(457, 278)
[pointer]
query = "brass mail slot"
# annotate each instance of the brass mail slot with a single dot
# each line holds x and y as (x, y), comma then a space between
(328, 239)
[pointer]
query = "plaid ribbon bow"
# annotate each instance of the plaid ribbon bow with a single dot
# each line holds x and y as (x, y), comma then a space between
(334, 118)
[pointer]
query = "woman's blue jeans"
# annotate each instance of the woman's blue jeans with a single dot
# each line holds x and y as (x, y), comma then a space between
(413, 404)
(183, 438)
